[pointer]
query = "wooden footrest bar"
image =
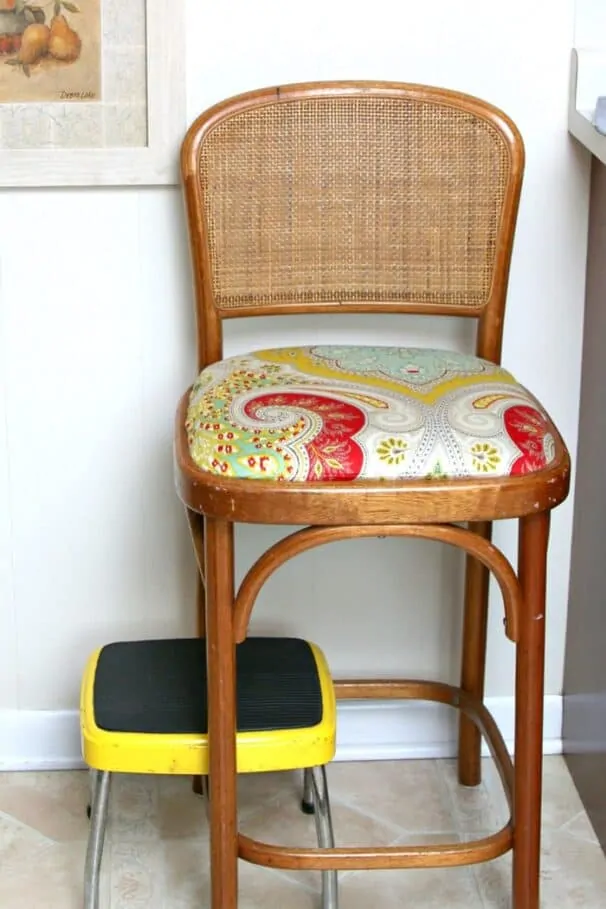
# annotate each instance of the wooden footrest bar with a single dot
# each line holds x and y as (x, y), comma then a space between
(410, 856)
(451, 696)
(374, 857)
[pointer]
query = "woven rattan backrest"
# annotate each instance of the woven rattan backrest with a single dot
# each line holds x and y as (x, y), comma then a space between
(352, 196)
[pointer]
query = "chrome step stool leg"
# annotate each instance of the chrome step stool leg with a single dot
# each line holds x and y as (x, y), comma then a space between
(307, 801)
(326, 838)
(92, 780)
(96, 835)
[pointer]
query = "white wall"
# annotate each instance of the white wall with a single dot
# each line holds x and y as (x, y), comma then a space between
(590, 23)
(96, 346)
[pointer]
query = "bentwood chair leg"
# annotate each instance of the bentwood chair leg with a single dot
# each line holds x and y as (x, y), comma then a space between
(198, 783)
(200, 607)
(196, 527)
(530, 662)
(326, 838)
(473, 665)
(96, 837)
(220, 656)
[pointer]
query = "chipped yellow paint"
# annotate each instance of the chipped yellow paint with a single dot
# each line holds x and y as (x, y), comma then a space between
(256, 752)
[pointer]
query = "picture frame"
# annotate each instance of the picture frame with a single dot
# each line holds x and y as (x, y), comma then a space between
(153, 163)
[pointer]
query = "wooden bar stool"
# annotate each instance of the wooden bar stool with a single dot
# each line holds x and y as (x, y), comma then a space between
(371, 198)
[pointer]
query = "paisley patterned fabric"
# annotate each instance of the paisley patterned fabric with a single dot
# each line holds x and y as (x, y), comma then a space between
(352, 413)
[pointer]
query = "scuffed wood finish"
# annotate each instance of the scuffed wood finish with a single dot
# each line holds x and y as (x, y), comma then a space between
(311, 537)
(220, 655)
(196, 529)
(373, 858)
(530, 662)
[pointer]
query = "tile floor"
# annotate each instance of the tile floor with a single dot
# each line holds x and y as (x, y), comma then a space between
(156, 851)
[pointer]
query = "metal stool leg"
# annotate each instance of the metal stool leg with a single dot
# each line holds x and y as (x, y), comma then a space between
(307, 801)
(96, 837)
(326, 838)
(92, 779)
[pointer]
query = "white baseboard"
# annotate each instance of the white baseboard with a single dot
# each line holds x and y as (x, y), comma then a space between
(368, 730)
(384, 730)
(40, 740)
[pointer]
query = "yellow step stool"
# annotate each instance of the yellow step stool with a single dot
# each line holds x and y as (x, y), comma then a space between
(143, 710)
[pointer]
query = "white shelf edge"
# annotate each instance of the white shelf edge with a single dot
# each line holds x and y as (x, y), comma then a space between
(580, 115)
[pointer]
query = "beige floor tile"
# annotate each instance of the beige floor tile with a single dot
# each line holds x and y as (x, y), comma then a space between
(261, 888)
(573, 875)
(494, 787)
(494, 883)
(51, 880)
(484, 808)
(409, 794)
(475, 808)
(133, 812)
(561, 801)
(157, 851)
(69, 789)
(57, 816)
(19, 846)
(186, 882)
(180, 812)
(581, 828)
(451, 888)
(185, 873)
(257, 789)
(136, 872)
(276, 823)
(282, 822)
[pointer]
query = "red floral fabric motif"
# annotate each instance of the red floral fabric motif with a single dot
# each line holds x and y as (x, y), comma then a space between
(333, 454)
(527, 429)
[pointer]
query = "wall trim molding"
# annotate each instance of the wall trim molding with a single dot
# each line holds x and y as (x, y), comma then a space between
(368, 730)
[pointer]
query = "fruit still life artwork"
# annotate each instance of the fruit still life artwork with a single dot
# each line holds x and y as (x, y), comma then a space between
(50, 50)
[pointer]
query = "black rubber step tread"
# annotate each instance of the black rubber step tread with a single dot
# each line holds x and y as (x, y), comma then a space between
(160, 686)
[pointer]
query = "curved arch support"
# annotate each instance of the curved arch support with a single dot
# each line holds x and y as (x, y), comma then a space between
(312, 537)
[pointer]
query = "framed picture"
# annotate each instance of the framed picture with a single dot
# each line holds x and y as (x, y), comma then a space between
(92, 92)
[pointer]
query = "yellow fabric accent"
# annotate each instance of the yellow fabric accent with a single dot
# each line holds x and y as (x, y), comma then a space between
(298, 359)
(256, 752)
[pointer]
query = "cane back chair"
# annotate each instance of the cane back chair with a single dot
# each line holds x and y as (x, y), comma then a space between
(372, 198)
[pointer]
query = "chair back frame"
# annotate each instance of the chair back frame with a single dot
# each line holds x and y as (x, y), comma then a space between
(351, 197)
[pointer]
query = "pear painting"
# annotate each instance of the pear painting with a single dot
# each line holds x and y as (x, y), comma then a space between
(50, 51)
